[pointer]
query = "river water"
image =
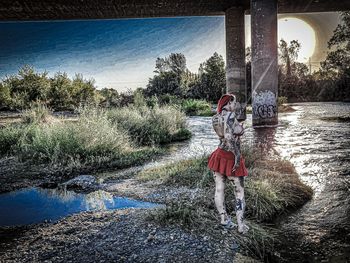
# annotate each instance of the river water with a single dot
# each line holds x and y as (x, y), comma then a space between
(318, 144)
(35, 205)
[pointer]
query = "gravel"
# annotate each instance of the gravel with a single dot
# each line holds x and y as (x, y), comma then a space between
(113, 236)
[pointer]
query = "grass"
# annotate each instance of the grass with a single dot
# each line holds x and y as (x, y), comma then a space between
(147, 126)
(271, 188)
(197, 107)
(95, 139)
(37, 113)
(9, 136)
(191, 173)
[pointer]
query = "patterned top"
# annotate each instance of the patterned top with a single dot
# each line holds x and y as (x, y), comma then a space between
(229, 130)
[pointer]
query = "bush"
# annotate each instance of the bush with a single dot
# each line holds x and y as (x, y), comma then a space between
(26, 87)
(97, 138)
(271, 188)
(282, 100)
(197, 107)
(5, 98)
(61, 143)
(9, 136)
(37, 113)
(147, 126)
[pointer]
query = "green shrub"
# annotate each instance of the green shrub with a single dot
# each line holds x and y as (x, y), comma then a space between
(197, 107)
(63, 142)
(282, 100)
(98, 136)
(37, 113)
(9, 136)
(274, 188)
(5, 98)
(147, 126)
(271, 187)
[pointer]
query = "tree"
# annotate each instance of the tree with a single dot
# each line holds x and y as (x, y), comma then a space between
(5, 98)
(83, 91)
(289, 53)
(339, 58)
(175, 63)
(60, 92)
(213, 78)
(110, 97)
(171, 76)
(26, 87)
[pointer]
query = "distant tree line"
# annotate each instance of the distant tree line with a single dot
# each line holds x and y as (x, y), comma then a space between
(59, 92)
(174, 78)
(173, 81)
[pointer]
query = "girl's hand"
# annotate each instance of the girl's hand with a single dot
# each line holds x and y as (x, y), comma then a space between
(235, 167)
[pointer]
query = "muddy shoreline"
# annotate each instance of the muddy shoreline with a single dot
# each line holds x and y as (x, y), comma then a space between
(125, 235)
(119, 236)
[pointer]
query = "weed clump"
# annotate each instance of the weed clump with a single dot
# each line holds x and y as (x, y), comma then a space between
(271, 188)
(97, 138)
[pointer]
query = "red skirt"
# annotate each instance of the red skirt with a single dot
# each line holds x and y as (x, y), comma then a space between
(222, 161)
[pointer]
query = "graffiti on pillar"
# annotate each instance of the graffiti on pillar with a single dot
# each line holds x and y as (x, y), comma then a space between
(264, 104)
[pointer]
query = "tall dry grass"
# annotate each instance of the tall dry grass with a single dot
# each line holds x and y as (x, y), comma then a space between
(98, 137)
(272, 188)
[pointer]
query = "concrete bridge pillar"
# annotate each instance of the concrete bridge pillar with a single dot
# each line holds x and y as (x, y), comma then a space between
(235, 56)
(264, 63)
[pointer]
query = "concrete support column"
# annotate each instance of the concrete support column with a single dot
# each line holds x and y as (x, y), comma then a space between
(264, 63)
(235, 56)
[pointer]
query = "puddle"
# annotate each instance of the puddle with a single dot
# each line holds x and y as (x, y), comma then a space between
(35, 205)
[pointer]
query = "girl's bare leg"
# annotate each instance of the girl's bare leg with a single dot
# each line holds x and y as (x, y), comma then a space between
(240, 203)
(220, 197)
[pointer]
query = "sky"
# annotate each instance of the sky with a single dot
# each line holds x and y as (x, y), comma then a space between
(121, 54)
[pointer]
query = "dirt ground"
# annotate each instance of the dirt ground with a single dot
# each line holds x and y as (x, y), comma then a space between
(117, 235)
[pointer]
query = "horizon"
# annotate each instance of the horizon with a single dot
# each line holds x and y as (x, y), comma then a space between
(121, 53)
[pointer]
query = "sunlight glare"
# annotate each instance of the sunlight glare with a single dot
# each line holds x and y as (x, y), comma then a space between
(291, 28)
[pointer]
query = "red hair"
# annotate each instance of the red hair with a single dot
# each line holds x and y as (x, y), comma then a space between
(224, 100)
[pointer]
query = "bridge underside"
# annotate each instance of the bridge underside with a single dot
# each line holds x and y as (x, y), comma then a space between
(108, 9)
(263, 29)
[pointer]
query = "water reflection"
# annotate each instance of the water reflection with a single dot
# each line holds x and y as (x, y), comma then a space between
(264, 141)
(34, 205)
(97, 200)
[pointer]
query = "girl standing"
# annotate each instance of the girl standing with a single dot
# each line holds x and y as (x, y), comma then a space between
(226, 161)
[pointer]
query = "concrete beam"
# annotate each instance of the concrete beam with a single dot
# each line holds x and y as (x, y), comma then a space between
(235, 56)
(24, 10)
(264, 63)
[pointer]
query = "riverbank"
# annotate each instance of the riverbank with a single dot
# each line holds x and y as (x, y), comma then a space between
(38, 147)
(112, 236)
(187, 230)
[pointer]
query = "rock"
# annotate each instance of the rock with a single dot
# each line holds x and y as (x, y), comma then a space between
(82, 183)
(150, 238)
